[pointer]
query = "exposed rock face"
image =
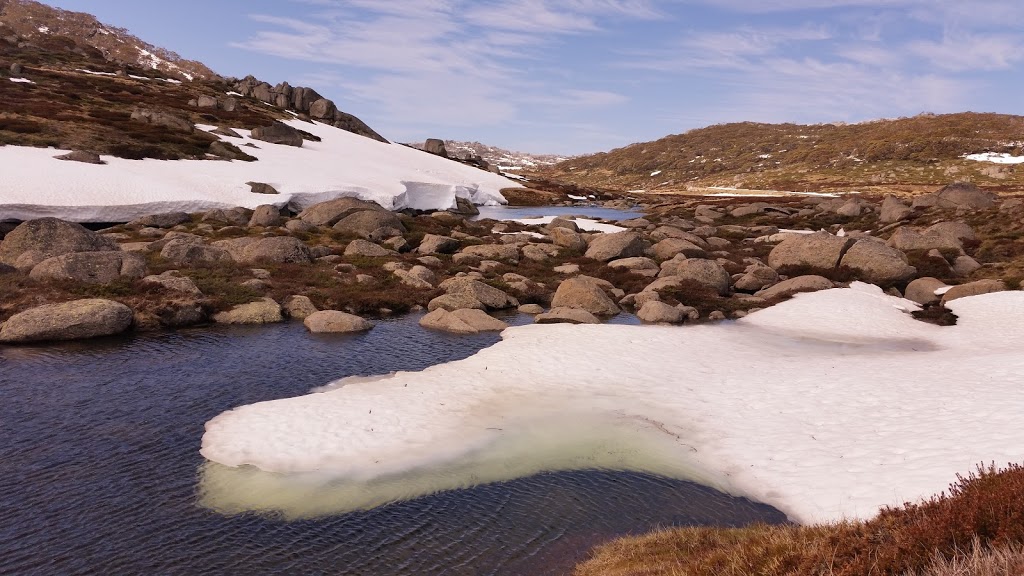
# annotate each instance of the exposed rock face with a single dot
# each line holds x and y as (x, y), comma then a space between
(365, 223)
(973, 289)
(335, 322)
(330, 212)
(584, 293)
(462, 321)
(91, 267)
(566, 316)
(81, 156)
(435, 244)
(657, 312)
(48, 237)
(264, 311)
(67, 321)
(820, 252)
(436, 147)
(704, 272)
(923, 290)
(792, 286)
(605, 247)
(164, 120)
(876, 263)
(366, 248)
(278, 133)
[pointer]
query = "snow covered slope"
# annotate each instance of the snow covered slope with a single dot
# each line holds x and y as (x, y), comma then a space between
(35, 184)
(827, 406)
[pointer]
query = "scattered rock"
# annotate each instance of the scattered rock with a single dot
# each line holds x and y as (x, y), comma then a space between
(531, 309)
(265, 215)
(73, 320)
(566, 316)
(81, 156)
(365, 248)
(504, 252)
(657, 312)
(965, 266)
(756, 278)
(276, 249)
(584, 293)
(820, 252)
(489, 296)
(298, 307)
(261, 188)
(278, 133)
(669, 247)
(704, 272)
(173, 280)
(435, 244)
(191, 251)
(264, 311)
(164, 120)
(877, 263)
(907, 239)
(786, 288)
(48, 237)
(229, 151)
(164, 220)
(462, 321)
(973, 289)
(922, 290)
(606, 247)
(567, 238)
(365, 223)
(335, 322)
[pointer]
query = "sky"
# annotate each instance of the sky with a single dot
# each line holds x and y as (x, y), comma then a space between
(580, 76)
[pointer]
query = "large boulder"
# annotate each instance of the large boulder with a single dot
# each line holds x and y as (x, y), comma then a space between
(468, 290)
(955, 229)
(190, 250)
(973, 289)
(298, 307)
(91, 267)
(335, 322)
(669, 247)
(265, 311)
(367, 249)
(707, 273)
(462, 321)
(893, 210)
(584, 293)
(276, 250)
(435, 146)
(278, 133)
(36, 240)
(605, 247)
(787, 288)
(506, 252)
(435, 244)
(756, 277)
(657, 312)
(330, 212)
(365, 222)
(908, 239)
(566, 237)
(965, 195)
(876, 263)
(322, 109)
(266, 215)
(819, 252)
(173, 281)
(923, 290)
(67, 321)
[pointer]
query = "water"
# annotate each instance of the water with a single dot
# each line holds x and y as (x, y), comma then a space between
(99, 468)
(518, 212)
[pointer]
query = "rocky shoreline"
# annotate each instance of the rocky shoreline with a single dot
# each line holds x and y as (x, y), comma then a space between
(338, 263)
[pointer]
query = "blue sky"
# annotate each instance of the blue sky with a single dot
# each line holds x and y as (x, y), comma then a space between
(577, 76)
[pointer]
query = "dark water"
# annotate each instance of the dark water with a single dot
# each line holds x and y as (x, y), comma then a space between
(99, 450)
(515, 212)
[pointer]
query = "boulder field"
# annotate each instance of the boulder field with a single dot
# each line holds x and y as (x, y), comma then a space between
(337, 262)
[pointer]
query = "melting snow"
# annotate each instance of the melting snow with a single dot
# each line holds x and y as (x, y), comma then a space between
(343, 164)
(656, 172)
(22, 81)
(827, 406)
(995, 158)
(585, 224)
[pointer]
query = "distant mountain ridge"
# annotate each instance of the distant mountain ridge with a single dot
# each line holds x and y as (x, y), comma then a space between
(37, 23)
(883, 155)
(506, 160)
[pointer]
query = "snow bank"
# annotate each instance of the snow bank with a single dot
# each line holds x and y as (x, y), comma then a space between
(827, 406)
(343, 164)
(995, 158)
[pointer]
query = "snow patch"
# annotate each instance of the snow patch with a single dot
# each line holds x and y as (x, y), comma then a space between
(394, 176)
(22, 81)
(827, 406)
(995, 158)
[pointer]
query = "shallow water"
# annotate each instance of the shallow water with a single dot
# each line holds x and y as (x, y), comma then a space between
(517, 212)
(99, 467)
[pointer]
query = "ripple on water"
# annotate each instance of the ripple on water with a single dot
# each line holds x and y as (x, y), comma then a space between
(101, 447)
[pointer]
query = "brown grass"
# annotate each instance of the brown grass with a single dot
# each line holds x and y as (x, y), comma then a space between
(981, 512)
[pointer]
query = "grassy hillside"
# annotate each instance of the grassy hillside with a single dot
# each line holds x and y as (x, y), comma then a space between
(900, 155)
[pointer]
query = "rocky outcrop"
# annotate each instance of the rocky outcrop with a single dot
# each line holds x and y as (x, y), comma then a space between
(91, 267)
(73, 320)
(335, 322)
(893, 210)
(876, 263)
(163, 120)
(584, 293)
(33, 241)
